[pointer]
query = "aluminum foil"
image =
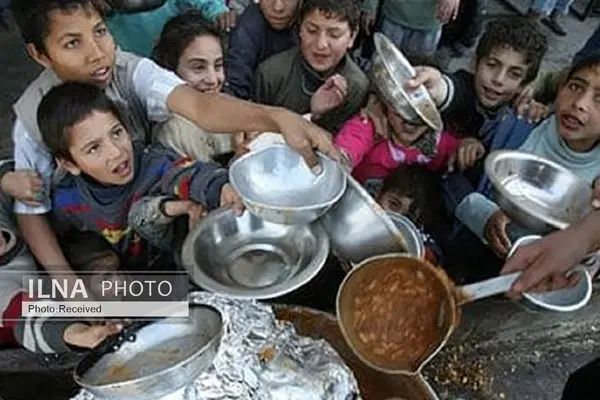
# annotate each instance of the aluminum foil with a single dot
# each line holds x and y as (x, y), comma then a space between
(263, 358)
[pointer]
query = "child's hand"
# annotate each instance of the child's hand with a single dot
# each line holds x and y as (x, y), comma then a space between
(447, 10)
(330, 95)
(195, 211)
(226, 21)
(495, 233)
(374, 112)
(596, 194)
(241, 140)
(229, 197)
(533, 111)
(89, 336)
(24, 185)
(467, 154)
(432, 79)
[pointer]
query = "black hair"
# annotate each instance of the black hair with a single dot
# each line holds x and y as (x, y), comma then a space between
(345, 10)
(63, 107)
(423, 187)
(33, 16)
(177, 34)
(81, 248)
(519, 34)
(590, 61)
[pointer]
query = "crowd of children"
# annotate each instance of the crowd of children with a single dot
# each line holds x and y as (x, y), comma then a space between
(120, 148)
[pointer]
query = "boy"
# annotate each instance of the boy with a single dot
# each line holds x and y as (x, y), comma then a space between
(70, 39)
(507, 58)
(107, 174)
(318, 77)
(569, 137)
(263, 30)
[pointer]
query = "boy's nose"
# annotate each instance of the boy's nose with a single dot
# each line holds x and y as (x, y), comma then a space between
(322, 41)
(278, 5)
(95, 52)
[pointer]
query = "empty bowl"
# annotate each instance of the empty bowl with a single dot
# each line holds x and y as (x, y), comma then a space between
(275, 184)
(564, 300)
(248, 257)
(390, 72)
(538, 193)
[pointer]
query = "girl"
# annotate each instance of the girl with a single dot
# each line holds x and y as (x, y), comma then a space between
(193, 50)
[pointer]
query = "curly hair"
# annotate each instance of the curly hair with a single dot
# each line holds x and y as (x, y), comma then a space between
(518, 34)
(590, 61)
(177, 34)
(344, 10)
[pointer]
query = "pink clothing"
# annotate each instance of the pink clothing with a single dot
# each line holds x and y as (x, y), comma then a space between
(376, 159)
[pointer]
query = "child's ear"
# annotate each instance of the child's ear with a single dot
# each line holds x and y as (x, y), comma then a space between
(69, 166)
(352, 39)
(38, 56)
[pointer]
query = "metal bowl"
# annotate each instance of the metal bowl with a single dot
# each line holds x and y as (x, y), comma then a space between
(156, 360)
(247, 257)
(391, 70)
(538, 193)
(563, 300)
(359, 228)
(412, 237)
(275, 183)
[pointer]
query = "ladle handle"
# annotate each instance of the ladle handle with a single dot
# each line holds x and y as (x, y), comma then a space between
(487, 288)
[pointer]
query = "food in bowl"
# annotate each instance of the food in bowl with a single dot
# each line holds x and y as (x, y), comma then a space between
(395, 314)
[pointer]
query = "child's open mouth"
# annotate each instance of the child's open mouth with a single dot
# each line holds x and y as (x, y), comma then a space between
(123, 169)
(491, 94)
(570, 122)
(101, 74)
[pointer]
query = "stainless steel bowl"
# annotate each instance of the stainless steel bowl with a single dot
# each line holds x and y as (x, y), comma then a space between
(163, 357)
(414, 242)
(359, 228)
(538, 193)
(562, 300)
(391, 70)
(276, 185)
(247, 257)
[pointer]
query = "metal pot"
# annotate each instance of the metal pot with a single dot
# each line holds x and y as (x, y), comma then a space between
(149, 361)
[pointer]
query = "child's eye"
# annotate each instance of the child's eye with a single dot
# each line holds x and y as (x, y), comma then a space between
(93, 149)
(574, 87)
(118, 132)
(72, 44)
(101, 31)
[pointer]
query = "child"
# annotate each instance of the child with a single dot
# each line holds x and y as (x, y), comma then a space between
(69, 38)
(192, 49)
(414, 191)
(317, 77)
(569, 137)
(107, 174)
(136, 32)
(507, 58)
(410, 142)
(263, 30)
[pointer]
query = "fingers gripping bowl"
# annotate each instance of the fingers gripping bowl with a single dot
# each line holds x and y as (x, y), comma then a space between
(276, 185)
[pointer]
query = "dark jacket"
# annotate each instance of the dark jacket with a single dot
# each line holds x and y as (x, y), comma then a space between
(252, 41)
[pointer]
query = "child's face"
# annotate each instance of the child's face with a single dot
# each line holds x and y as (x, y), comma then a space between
(101, 148)
(324, 41)
(201, 64)
(78, 47)
(404, 132)
(279, 13)
(499, 76)
(578, 109)
(392, 200)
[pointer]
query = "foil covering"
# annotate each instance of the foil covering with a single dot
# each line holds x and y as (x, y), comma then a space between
(263, 358)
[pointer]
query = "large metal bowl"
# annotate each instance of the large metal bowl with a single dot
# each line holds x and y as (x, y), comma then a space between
(391, 70)
(247, 257)
(275, 184)
(359, 228)
(162, 358)
(538, 193)
(412, 237)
